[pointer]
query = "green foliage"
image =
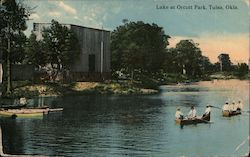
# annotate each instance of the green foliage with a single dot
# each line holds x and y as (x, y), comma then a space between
(242, 69)
(138, 46)
(13, 16)
(60, 45)
(188, 57)
(225, 62)
(34, 52)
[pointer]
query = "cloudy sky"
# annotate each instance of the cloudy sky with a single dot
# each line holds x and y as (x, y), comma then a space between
(216, 31)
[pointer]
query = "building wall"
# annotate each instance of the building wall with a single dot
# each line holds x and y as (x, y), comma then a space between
(90, 40)
(90, 43)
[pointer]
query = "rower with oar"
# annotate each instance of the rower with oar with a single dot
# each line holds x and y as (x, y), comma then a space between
(207, 111)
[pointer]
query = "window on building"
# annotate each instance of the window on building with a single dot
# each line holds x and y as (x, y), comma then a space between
(92, 63)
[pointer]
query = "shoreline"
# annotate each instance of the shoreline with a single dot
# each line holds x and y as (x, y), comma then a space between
(111, 87)
(80, 88)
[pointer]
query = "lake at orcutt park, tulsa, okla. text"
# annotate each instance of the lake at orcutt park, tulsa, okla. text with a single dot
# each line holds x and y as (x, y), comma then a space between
(197, 7)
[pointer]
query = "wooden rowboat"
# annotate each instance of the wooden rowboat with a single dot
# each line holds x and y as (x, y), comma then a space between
(21, 115)
(230, 113)
(205, 119)
(27, 112)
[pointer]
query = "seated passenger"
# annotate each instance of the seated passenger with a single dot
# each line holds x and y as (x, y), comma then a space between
(192, 113)
(225, 107)
(239, 106)
(179, 114)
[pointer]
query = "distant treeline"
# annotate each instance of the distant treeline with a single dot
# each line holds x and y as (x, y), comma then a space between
(140, 49)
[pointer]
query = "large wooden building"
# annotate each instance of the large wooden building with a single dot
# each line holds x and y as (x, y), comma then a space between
(95, 57)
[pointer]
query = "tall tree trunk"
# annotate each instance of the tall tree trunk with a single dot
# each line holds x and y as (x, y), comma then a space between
(8, 66)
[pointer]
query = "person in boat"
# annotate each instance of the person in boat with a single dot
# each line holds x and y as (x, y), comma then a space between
(225, 107)
(239, 106)
(232, 107)
(179, 114)
(192, 113)
(207, 111)
(23, 101)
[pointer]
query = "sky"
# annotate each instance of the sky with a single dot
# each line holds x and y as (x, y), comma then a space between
(215, 30)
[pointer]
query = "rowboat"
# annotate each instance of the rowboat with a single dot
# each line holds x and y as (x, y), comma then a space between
(230, 113)
(205, 119)
(14, 107)
(27, 112)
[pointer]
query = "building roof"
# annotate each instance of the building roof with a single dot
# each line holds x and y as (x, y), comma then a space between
(99, 29)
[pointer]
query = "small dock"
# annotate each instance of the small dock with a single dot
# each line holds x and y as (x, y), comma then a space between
(2, 154)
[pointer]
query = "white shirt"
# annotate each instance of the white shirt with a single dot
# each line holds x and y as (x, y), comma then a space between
(233, 107)
(208, 110)
(23, 101)
(192, 113)
(239, 105)
(178, 114)
(225, 107)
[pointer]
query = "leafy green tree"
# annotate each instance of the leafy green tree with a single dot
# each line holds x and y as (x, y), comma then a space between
(34, 53)
(138, 46)
(13, 16)
(18, 48)
(242, 69)
(206, 66)
(61, 46)
(171, 64)
(189, 58)
(225, 62)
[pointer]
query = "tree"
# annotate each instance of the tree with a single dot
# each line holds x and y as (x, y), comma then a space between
(138, 46)
(61, 47)
(13, 16)
(206, 65)
(189, 58)
(225, 63)
(171, 64)
(34, 53)
(242, 69)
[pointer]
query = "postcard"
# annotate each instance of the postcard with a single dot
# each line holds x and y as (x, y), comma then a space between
(163, 78)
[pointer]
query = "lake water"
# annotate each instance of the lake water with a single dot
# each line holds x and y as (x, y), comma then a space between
(134, 125)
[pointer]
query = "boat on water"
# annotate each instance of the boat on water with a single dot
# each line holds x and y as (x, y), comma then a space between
(230, 113)
(205, 119)
(13, 106)
(27, 112)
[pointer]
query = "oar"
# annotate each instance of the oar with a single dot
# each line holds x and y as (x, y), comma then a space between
(246, 111)
(206, 121)
(216, 107)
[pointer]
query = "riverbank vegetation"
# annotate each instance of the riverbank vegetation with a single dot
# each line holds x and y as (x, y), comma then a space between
(28, 89)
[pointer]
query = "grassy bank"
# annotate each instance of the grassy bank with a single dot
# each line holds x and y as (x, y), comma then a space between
(145, 85)
(229, 75)
(81, 88)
